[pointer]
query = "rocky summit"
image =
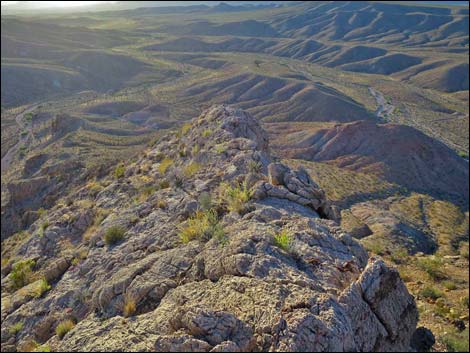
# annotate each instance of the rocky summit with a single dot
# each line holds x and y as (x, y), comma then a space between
(205, 243)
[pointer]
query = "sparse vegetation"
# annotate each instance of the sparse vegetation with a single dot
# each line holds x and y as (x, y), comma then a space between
(43, 348)
(191, 169)
(195, 150)
(433, 266)
(283, 240)
(202, 226)
(16, 328)
(235, 197)
(162, 204)
(164, 165)
(129, 306)
(42, 287)
(119, 171)
(185, 128)
(431, 293)
(22, 273)
(164, 184)
(457, 341)
(206, 133)
(254, 166)
(64, 327)
(114, 234)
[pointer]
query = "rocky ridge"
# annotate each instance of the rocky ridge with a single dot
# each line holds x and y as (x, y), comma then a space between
(235, 289)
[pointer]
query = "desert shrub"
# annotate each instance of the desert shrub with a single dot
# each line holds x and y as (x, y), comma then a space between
(456, 342)
(375, 246)
(433, 266)
(64, 327)
(185, 128)
(450, 285)
(119, 171)
(220, 148)
(129, 306)
(463, 250)
(42, 287)
(41, 212)
(206, 133)
(183, 152)
(164, 184)
(44, 225)
(195, 150)
(162, 204)
(22, 273)
(254, 166)
(235, 197)
(191, 169)
(114, 235)
(203, 225)
(283, 240)
(15, 328)
(42, 348)
(146, 192)
(399, 255)
(431, 293)
(164, 165)
(94, 188)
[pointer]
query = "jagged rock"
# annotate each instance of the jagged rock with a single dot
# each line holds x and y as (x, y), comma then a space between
(298, 187)
(56, 269)
(237, 291)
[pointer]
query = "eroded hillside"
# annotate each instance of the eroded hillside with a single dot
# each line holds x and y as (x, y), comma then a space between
(213, 247)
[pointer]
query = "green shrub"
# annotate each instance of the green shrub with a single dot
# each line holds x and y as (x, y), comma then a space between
(206, 133)
(22, 273)
(119, 171)
(44, 226)
(220, 148)
(43, 348)
(164, 165)
(235, 197)
(191, 169)
(433, 266)
(457, 342)
(185, 128)
(64, 327)
(42, 287)
(15, 328)
(114, 235)
(203, 226)
(449, 285)
(431, 293)
(195, 150)
(283, 240)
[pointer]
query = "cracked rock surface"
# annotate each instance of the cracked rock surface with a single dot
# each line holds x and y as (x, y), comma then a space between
(244, 292)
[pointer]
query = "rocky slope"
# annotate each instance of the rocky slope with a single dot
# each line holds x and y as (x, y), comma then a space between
(399, 153)
(271, 271)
